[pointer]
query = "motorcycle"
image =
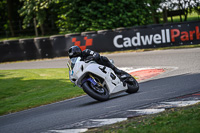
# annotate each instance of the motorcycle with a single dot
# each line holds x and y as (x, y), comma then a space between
(98, 81)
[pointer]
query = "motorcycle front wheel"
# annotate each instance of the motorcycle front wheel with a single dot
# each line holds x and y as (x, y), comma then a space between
(98, 93)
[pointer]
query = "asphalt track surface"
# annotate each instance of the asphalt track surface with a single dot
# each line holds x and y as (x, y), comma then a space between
(182, 77)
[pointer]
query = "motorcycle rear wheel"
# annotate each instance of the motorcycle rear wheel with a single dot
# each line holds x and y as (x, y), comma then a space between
(133, 86)
(88, 88)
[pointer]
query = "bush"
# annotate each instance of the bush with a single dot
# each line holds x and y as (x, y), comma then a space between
(87, 15)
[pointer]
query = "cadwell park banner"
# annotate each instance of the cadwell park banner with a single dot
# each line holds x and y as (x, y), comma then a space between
(141, 37)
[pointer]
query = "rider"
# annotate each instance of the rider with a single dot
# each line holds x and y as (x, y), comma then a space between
(75, 51)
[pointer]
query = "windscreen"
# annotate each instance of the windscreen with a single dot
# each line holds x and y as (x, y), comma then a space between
(74, 60)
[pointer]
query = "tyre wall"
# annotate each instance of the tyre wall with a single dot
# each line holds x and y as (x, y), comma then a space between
(140, 37)
(30, 49)
(59, 46)
(70, 41)
(12, 51)
(44, 47)
(4, 51)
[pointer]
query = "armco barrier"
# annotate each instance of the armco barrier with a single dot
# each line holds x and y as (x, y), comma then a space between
(44, 47)
(59, 45)
(15, 51)
(30, 49)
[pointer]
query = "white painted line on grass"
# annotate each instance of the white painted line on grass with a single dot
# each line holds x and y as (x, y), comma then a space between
(103, 122)
(180, 103)
(148, 111)
(69, 131)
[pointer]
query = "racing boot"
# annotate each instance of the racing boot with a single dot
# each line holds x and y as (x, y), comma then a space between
(120, 73)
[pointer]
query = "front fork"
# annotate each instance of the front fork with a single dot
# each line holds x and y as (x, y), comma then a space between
(97, 83)
(92, 80)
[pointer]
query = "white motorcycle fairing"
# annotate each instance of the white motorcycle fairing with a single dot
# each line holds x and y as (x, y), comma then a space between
(81, 69)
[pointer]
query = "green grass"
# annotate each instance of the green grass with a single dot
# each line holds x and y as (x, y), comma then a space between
(23, 89)
(183, 120)
(191, 17)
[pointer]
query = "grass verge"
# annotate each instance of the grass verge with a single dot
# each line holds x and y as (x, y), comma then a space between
(191, 17)
(24, 89)
(178, 120)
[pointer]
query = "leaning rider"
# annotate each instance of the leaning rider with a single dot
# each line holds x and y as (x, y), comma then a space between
(75, 51)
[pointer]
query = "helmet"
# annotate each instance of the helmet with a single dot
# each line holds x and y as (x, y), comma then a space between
(74, 51)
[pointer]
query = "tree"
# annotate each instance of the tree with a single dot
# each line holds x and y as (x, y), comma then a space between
(34, 9)
(197, 8)
(87, 15)
(154, 5)
(187, 6)
(8, 11)
(3, 16)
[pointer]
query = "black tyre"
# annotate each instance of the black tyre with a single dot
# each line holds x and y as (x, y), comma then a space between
(98, 93)
(133, 85)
